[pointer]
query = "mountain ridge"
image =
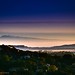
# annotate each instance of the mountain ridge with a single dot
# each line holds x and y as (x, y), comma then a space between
(70, 46)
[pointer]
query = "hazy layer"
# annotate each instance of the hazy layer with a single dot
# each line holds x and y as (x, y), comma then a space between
(37, 39)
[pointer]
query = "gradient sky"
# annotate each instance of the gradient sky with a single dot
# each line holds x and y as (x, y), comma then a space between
(22, 12)
(45, 19)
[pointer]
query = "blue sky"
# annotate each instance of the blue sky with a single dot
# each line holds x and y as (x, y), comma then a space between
(11, 9)
(16, 11)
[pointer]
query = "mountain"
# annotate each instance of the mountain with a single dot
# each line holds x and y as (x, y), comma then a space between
(71, 46)
(20, 46)
(62, 47)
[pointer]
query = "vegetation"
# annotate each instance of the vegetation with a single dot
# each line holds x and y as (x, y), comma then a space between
(18, 62)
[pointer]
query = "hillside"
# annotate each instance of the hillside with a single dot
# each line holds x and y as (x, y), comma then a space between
(18, 62)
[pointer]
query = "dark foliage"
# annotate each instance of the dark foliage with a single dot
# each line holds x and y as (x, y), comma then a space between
(18, 62)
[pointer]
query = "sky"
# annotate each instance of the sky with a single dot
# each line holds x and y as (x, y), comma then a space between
(52, 21)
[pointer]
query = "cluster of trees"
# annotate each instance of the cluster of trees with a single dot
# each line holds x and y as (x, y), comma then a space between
(18, 62)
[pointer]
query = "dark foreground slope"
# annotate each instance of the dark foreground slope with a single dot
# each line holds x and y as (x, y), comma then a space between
(18, 62)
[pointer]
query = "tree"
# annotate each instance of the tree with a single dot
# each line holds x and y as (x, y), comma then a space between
(52, 68)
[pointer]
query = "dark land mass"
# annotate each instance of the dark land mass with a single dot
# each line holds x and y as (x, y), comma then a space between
(18, 62)
(69, 47)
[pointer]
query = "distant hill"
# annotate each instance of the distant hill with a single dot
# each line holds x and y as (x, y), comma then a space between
(71, 46)
(62, 47)
(20, 46)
